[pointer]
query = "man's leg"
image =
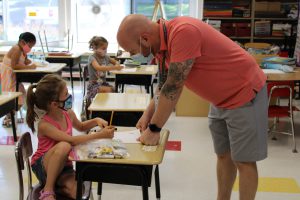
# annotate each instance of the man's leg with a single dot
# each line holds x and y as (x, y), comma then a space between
(248, 180)
(226, 174)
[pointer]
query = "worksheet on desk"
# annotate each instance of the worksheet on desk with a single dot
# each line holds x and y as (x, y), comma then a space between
(127, 69)
(273, 71)
(128, 136)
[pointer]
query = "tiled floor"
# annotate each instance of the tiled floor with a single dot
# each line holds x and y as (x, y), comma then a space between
(186, 174)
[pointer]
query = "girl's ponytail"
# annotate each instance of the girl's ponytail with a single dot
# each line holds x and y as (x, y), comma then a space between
(30, 101)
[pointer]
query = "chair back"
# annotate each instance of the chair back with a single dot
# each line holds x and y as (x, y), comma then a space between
(85, 74)
(23, 151)
(281, 89)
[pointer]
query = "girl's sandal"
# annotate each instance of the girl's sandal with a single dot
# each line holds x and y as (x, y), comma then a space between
(47, 195)
(7, 122)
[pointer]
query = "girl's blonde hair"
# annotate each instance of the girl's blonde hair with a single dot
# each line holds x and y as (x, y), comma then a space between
(41, 95)
(96, 42)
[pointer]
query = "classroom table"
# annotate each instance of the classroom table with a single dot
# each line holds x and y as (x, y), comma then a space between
(121, 109)
(293, 76)
(8, 105)
(133, 170)
(70, 60)
(34, 75)
(141, 75)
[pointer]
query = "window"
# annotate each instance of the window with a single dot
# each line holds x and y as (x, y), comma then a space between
(100, 18)
(173, 8)
(30, 15)
(1, 21)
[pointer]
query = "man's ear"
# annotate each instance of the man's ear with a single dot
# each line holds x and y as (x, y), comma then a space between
(145, 39)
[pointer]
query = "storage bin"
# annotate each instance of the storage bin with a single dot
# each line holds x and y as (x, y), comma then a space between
(228, 29)
(243, 29)
(262, 28)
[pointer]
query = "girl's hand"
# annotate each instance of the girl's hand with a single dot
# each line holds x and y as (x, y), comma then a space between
(101, 122)
(118, 67)
(32, 66)
(107, 132)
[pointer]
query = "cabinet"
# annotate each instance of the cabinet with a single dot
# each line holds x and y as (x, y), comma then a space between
(272, 21)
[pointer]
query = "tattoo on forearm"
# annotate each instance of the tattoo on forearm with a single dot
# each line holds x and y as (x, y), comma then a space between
(177, 74)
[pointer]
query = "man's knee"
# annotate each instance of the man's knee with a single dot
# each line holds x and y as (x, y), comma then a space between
(224, 156)
(242, 166)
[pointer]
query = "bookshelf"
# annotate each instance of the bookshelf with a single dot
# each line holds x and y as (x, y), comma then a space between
(271, 21)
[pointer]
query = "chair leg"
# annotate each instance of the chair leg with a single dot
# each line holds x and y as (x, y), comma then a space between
(293, 133)
(274, 127)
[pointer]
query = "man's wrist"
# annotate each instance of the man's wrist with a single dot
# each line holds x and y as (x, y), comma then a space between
(154, 128)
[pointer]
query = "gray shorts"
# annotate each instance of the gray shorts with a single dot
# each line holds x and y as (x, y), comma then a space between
(243, 130)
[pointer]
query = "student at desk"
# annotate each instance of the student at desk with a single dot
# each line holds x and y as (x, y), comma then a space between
(50, 162)
(98, 64)
(16, 58)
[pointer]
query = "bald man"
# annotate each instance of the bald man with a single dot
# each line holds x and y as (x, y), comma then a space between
(218, 70)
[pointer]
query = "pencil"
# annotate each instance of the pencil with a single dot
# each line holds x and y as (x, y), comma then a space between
(111, 117)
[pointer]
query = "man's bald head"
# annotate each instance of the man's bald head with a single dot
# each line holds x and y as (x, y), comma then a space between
(132, 27)
(138, 34)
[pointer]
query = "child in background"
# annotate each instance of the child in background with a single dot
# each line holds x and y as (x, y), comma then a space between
(98, 64)
(16, 58)
(50, 162)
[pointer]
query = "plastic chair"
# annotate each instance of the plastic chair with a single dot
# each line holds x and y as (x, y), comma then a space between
(23, 151)
(278, 90)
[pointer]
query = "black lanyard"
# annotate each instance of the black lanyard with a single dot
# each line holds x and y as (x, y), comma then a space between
(162, 68)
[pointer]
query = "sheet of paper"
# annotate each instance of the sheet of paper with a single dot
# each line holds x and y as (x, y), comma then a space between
(149, 69)
(273, 71)
(125, 69)
(127, 136)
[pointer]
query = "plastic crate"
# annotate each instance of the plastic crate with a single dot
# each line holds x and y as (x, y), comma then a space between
(243, 29)
(228, 29)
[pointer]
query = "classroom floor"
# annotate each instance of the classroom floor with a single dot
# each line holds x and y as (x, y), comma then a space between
(188, 173)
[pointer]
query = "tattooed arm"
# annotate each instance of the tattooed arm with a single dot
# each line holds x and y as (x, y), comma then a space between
(168, 98)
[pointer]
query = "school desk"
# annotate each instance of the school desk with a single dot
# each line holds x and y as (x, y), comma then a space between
(70, 60)
(8, 105)
(141, 75)
(293, 76)
(133, 170)
(34, 75)
(123, 109)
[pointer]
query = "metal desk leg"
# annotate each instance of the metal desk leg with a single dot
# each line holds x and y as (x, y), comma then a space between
(80, 72)
(152, 93)
(79, 187)
(99, 190)
(12, 116)
(144, 185)
(71, 76)
(147, 88)
(157, 184)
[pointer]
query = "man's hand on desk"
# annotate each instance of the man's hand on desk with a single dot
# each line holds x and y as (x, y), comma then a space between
(149, 138)
(143, 122)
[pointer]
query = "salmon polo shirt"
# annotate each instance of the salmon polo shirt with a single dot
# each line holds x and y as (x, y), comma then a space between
(223, 73)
